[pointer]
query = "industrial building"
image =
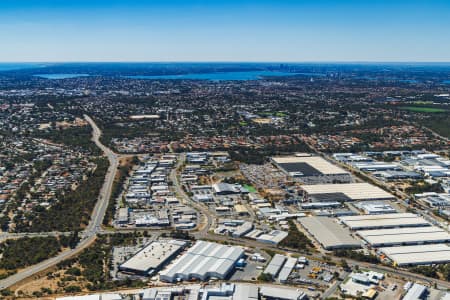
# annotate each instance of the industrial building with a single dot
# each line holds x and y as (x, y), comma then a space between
(416, 292)
(374, 208)
(273, 237)
(404, 236)
(311, 169)
(275, 265)
(278, 293)
(223, 188)
(418, 255)
(241, 210)
(379, 221)
(376, 166)
(286, 270)
(203, 261)
(344, 192)
(152, 257)
(397, 175)
(328, 233)
(243, 229)
(122, 217)
(320, 205)
(433, 199)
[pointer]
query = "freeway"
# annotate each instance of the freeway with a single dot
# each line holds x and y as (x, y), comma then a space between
(90, 233)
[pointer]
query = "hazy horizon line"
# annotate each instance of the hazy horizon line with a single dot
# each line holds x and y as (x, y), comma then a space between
(231, 62)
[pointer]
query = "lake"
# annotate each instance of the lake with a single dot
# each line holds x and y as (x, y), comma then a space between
(60, 76)
(218, 76)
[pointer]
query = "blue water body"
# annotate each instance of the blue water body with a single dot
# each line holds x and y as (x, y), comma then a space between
(249, 75)
(61, 76)
(446, 81)
(18, 66)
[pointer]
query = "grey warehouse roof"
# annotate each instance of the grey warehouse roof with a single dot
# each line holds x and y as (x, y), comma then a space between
(330, 234)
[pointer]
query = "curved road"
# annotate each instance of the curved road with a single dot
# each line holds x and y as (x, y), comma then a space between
(89, 234)
(210, 220)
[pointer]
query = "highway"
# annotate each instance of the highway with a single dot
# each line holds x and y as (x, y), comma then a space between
(90, 233)
(208, 222)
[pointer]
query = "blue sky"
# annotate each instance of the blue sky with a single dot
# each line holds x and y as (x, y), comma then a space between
(245, 30)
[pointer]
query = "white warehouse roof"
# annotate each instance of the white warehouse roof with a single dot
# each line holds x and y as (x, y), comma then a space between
(354, 191)
(152, 256)
(403, 236)
(383, 221)
(418, 255)
(204, 260)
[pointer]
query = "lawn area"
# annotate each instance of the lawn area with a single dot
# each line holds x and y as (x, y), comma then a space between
(250, 188)
(423, 109)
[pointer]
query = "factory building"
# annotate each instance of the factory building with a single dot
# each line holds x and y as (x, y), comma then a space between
(152, 257)
(404, 236)
(380, 221)
(275, 265)
(311, 169)
(287, 268)
(397, 175)
(376, 166)
(416, 292)
(433, 199)
(228, 189)
(203, 261)
(329, 234)
(374, 208)
(243, 229)
(344, 192)
(278, 293)
(418, 255)
(122, 217)
(273, 237)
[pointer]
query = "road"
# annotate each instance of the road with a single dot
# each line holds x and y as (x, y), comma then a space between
(90, 233)
(94, 226)
(7, 235)
(205, 213)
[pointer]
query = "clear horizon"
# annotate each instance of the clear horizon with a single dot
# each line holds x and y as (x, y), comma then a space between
(320, 31)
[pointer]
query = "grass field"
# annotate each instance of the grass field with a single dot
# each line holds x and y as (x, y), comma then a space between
(250, 188)
(423, 109)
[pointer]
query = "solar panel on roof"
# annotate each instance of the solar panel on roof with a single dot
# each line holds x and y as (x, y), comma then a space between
(330, 197)
(301, 167)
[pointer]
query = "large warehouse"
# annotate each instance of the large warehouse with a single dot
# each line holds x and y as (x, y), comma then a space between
(311, 169)
(328, 233)
(344, 192)
(404, 236)
(418, 255)
(202, 261)
(381, 221)
(151, 258)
